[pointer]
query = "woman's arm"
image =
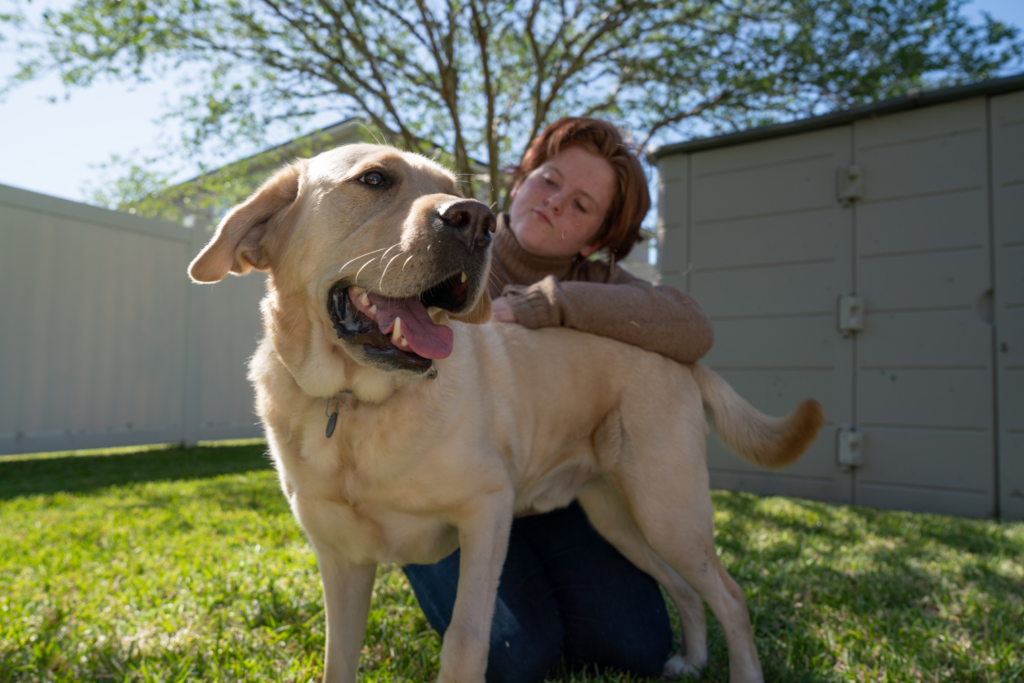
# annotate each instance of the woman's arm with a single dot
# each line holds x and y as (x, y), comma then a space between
(616, 305)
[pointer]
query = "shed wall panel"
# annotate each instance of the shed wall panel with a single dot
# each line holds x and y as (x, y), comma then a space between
(96, 332)
(1011, 386)
(673, 222)
(924, 355)
(771, 252)
(924, 281)
(768, 153)
(797, 237)
(970, 447)
(672, 251)
(92, 339)
(790, 185)
(925, 398)
(1009, 258)
(764, 343)
(923, 167)
(935, 246)
(672, 202)
(930, 123)
(1007, 118)
(119, 362)
(933, 223)
(776, 290)
(1011, 471)
(230, 333)
(922, 339)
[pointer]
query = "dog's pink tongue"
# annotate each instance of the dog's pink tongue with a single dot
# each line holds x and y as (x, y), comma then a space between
(425, 338)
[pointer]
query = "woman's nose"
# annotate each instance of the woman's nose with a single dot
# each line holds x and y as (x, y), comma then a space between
(554, 201)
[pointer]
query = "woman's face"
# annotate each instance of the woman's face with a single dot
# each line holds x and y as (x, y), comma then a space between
(558, 209)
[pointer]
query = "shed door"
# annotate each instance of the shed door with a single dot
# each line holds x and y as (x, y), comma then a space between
(1008, 221)
(924, 376)
(770, 252)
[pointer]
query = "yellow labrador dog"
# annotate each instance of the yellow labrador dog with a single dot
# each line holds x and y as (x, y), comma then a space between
(402, 432)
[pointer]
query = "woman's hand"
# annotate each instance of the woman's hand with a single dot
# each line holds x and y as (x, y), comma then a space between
(501, 311)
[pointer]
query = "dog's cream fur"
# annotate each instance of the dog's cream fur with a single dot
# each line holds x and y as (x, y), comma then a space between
(516, 419)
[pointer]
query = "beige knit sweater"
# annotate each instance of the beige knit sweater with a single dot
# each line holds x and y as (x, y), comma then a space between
(597, 297)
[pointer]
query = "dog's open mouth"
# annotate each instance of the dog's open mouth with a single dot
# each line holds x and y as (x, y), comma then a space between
(398, 329)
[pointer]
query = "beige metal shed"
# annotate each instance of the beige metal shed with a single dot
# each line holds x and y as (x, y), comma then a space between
(874, 259)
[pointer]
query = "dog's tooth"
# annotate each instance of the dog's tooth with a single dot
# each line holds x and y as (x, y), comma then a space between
(357, 290)
(463, 277)
(364, 299)
(396, 333)
(404, 342)
(373, 309)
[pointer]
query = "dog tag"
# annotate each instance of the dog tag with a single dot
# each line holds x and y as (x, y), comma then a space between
(332, 422)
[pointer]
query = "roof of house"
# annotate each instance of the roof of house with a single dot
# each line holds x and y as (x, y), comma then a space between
(912, 100)
(273, 156)
(313, 143)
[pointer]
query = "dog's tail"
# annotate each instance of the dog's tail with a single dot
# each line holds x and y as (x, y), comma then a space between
(761, 440)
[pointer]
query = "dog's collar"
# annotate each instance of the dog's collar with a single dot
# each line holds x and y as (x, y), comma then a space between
(332, 418)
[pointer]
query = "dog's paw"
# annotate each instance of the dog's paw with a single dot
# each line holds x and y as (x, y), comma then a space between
(676, 667)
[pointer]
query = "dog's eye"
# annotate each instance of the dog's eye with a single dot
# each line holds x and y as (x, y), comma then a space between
(375, 178)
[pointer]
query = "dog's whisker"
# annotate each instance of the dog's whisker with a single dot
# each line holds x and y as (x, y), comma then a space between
(493, 279)
(361, 270)
(372, 134)
(384, 255)
(360, 256)
(407, 262)
(381, 283)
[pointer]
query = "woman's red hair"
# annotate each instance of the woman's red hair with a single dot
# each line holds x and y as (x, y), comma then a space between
(621, 227)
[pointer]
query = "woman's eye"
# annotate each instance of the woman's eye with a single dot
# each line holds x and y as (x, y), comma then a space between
(580, 207)
(373, 178)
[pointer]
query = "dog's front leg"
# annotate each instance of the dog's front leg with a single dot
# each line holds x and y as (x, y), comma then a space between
(483, 539)
(347, 591)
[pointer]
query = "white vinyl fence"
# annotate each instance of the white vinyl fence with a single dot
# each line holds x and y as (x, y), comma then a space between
(105, 342)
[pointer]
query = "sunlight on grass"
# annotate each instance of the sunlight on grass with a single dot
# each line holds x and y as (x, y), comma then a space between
(196, 570)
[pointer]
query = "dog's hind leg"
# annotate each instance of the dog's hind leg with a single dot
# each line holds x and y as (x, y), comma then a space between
(659, 471)
(610, 517)
(347, 591)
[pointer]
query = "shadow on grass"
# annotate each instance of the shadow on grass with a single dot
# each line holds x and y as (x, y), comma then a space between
(850, 524)
(83, 473)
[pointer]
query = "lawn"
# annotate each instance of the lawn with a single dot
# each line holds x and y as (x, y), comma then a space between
(185, 564)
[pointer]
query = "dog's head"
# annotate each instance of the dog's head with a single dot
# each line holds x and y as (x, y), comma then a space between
(370, 250)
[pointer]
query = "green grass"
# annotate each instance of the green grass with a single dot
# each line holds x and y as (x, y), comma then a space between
(185, 564)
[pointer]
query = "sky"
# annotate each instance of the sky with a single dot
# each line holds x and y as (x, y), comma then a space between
(56, 148)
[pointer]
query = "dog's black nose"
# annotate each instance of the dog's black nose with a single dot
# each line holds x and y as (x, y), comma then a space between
(471, 220)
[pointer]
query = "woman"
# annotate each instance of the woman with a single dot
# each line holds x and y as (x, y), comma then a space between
(565, 592)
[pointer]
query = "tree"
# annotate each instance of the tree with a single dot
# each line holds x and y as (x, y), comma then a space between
(482, 77)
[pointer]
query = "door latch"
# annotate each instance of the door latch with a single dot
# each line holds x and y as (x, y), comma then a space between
(850, 310)
(849, 184)
(850, 448)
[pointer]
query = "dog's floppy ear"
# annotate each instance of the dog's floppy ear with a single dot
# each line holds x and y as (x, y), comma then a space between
(236, 246)
(479, 314)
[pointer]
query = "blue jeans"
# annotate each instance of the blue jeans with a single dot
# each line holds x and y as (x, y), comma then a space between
(564, 592)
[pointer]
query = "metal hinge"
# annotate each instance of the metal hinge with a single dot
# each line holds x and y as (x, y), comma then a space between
(850, 448)
(849, 184)
(849, 314)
